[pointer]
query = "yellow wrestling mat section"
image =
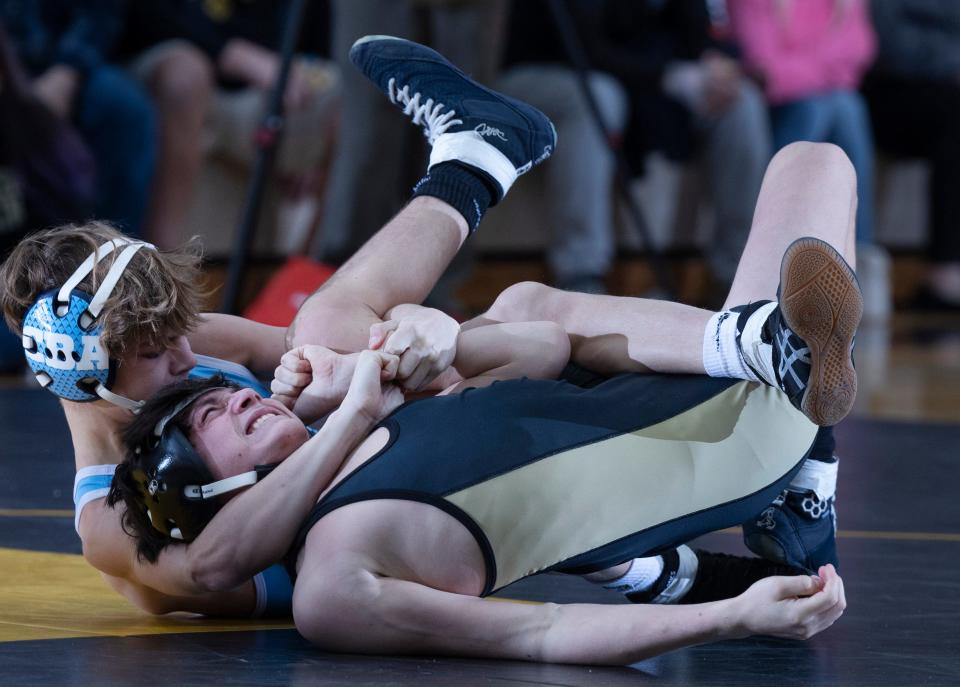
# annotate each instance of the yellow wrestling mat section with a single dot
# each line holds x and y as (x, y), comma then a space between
(59, 596)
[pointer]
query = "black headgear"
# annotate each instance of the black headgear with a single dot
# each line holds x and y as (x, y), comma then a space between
(171, 487)
(176, 487)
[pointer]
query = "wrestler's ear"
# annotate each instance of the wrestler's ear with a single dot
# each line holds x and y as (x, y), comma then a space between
(379, 333)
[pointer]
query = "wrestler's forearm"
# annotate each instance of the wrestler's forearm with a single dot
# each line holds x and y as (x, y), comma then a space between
(255, 529)
(235, 603)
(511, 350)
(625, 634)
(155, 588)
(399, 617)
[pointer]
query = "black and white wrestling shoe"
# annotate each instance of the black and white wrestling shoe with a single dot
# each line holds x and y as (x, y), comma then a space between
(803, 344)
(693, 577)
(462, 120)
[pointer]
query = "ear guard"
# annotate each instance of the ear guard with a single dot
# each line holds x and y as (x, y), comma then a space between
(61, 332)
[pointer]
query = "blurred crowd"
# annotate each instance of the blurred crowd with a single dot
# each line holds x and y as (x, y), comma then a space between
(110, 108)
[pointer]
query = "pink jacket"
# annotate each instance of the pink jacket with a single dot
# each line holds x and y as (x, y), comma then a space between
(804, 47)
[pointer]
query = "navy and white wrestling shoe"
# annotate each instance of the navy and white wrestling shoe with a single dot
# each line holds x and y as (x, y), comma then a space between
(798, 528)
(804, 345)
(693, 577)
(462, 120)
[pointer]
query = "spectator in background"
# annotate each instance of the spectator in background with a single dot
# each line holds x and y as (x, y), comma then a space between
(374, 145)
(689, 98)
(810, 56)
(578, 203)
(47, 174)
(207, 66)
(914, 97)
(62, 45)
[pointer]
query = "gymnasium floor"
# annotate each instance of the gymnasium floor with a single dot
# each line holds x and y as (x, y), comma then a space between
(899, 519)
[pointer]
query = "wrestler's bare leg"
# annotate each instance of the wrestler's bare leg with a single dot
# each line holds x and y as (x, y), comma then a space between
(809, 190)
(612, 334)
(399, 264)
(467, 174)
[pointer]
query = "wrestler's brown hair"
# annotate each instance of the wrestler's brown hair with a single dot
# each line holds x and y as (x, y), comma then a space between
(157, 298)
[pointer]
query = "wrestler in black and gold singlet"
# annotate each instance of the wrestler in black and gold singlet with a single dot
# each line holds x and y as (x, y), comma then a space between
(551, 476)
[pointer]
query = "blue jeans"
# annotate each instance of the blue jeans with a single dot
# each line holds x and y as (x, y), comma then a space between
(117, 121)
(838, 117)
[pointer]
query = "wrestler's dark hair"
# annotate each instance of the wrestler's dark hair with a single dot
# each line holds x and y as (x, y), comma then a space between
(138, 437)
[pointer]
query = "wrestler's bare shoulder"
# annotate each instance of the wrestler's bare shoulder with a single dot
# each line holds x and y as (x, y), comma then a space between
(394, 538)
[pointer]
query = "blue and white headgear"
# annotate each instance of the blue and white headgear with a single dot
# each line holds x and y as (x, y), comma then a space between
(61, 332)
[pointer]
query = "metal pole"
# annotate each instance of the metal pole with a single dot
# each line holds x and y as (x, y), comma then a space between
(573, 46)
(268, 137)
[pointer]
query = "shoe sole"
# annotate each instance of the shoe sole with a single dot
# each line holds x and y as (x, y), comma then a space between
(821, 302)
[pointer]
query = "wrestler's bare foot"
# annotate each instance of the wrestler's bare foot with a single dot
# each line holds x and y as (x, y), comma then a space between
(821, 303)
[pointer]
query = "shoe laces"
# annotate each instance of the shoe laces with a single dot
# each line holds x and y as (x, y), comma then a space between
(428, 114)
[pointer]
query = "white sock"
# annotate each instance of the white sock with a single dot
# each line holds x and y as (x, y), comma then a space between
(722, 356)
(818, 477)
(640, 577)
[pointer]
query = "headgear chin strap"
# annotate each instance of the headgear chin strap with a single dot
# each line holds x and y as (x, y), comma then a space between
(177, 489)
(61, 332)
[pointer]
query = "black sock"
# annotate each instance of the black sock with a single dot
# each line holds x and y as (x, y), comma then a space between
(824, 446)
(468, 190)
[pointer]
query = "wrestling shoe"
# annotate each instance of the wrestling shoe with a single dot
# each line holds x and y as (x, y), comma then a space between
(796, 529)
(693, 577)
(800, 527)
(462, 120)
(804, 345)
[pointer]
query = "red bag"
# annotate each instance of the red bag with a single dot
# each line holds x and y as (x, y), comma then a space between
(286, 291)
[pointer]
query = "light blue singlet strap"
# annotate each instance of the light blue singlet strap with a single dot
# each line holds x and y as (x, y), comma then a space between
(91, 483)
(208, 367)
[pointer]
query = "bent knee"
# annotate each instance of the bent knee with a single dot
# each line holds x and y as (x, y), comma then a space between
(526, 301)
(820, 158)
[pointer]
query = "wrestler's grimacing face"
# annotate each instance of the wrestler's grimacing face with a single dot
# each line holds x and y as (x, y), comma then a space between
(234, 430)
